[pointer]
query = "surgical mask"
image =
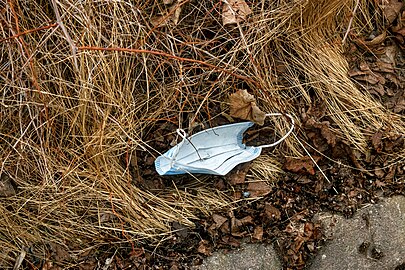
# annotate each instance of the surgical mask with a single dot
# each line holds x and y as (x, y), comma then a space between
(212, 151)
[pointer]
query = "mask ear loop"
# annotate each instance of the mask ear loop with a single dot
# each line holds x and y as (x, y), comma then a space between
(184, 136)
(286, 135)
(182, 133)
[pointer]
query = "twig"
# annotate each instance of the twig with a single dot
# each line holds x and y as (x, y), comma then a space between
(65, 32)
(350, 22)
(178, 58)
(29, 31)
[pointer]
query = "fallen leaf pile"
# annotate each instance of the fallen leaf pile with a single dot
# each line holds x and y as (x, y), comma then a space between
(380, 71)
(374, 77)
(243, 106)
(237, 179)
(306, 234)
(383, 80)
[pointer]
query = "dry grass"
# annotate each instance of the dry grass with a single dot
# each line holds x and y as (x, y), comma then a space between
(70, 133)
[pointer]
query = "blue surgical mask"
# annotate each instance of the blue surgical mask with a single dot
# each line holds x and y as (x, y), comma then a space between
(212, 151)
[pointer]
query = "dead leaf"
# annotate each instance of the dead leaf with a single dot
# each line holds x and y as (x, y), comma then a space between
(379, 184)
(384, 67)
(364, 66)
(401, 40)
(234, 11)
(377, 89)
(372, 78)
(229, 240)
(316, 111)
(237, 194)
(299, 241)
(258, 233)
(204, 248)
(399, 106)
(309, 229)
(6, 186)
(301, 165)
(355, 72)
(89, 264)
(391, 173)
(393, 78)
(238, 175)
(379, 173)
(225, 228)
(219, 220)
(328, 135)
(369, 78)
(389, 55)
(272, 212)
(105, 217)
(246, 220)
(377, 40)
(400, 31)
(243, 106)
(171, 17)
(376, 141)
(59, 253)
(167, 2)
(323, 127)
(220, 184)
(180, 230)
(391, 9)
(258, 189)
(235, 227)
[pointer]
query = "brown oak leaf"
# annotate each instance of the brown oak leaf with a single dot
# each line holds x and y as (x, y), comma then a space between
(243, 106)
(301, 165)
(258, 189)
(219, 220)
(391, 9)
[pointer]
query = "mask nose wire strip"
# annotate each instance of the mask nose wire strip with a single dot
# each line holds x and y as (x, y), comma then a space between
(183, 134)
(286, 135)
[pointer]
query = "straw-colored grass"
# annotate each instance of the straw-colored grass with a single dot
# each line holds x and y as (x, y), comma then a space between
(76, 116)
